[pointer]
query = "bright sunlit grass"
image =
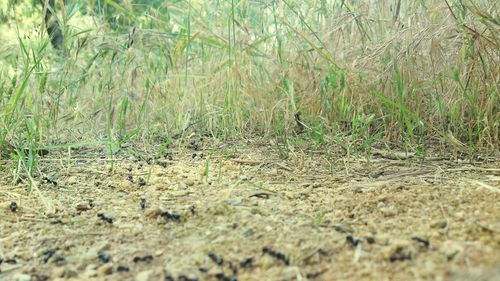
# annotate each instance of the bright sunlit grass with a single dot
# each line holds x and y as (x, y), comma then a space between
(407, 73)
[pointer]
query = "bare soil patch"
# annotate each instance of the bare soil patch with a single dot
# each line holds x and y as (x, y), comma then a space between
(242, 212)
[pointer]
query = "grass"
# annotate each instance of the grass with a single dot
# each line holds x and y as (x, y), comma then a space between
(356, 72)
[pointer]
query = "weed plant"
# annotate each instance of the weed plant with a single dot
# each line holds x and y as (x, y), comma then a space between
(406, 73)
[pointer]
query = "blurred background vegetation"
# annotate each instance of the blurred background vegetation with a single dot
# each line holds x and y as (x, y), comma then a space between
(409, 74)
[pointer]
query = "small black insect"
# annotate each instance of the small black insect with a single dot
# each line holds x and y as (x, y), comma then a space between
(56, 221)
(352, 240)
(91, 203)
(194, 145)
(183, 277)
(314, 275)
(399, 256)
(143, 203)
(233, 268)
(50, 181)
(192, 208)
(169, 155)
(222, 277)
(103, 257)
(163, 164)
(146, 258)
(246, 262)
(59, 260)
(47, 254)
(203, 269)
(422, 241)
(370, 240)
(261, 195)
(170, 215)
(300, 125)
(142, 182)
(105, 218)
(13, 206)
(12, 260)
(37, 277)
(216, 258)
(123, 268)
(451, 256)
(277, 255)
(193, 156)
(130, 178)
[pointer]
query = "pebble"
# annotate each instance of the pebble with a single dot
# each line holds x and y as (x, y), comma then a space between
(58, 272)
(291, 273)
(82, 207)
(89, 273)
(389, 212)
(144, 275)
(71, 180)
(152, 213)
(105, 269)
(21, 277)
(439, 224)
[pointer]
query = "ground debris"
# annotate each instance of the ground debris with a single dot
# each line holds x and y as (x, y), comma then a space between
(328, 219)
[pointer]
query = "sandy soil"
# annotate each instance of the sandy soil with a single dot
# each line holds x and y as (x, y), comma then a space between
(243, 212)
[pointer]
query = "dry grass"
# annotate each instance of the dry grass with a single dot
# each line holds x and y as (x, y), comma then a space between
(357, 72)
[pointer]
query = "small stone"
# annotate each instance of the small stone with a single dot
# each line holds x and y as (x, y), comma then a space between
(82, 207)
(160, 186)
(189, 182)
(316, 184)
(152, 213)
(389, 211)
(71, 180)
(248, 232)
(144, 275)
(203, 172)
(21, 277)
(343, 228)
(58, 272)
(290, 273)
(105, 269)
(439, 224)
(89, 273)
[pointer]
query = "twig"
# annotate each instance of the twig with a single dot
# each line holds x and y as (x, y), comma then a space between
(487, 186)
(247, 162)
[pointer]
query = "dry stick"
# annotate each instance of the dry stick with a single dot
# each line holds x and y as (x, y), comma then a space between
(445, 217)
(46, 202)
(11, 268)
(23, 218)
(284, 167)
(494, 170)
(416, 173)
(247, 162)
(486, 186)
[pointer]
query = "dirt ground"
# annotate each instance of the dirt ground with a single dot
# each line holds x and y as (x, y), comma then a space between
(244, 212)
